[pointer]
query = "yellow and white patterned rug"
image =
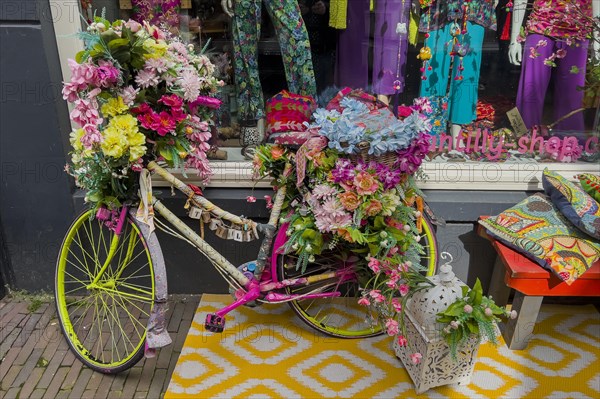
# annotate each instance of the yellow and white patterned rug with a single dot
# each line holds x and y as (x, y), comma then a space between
(266, 352)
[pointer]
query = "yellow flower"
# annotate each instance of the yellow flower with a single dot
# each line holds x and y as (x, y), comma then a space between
(75, 139)
(114, 106)
(137, 146)
(126, 124)
(114, 143)
(156, 48)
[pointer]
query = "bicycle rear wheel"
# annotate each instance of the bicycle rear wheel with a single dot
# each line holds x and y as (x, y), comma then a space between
(104, 318)
(429, 259)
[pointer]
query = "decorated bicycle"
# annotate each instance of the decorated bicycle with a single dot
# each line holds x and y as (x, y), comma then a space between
(346, 209)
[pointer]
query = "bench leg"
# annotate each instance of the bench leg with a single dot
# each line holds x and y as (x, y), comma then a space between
(498, 288)
(519, 331)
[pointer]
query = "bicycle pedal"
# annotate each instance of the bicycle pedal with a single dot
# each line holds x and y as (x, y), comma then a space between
(214, 323)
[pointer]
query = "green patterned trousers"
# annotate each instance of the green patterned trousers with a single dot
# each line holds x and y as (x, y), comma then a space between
(295, 52)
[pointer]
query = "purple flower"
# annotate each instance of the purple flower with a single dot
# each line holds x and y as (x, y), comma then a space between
(108, 75)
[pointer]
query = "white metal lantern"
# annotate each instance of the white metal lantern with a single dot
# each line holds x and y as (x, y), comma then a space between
(424, 336)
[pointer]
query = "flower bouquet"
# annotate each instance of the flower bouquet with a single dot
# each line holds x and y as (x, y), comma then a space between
(138, 93)
(358, 209)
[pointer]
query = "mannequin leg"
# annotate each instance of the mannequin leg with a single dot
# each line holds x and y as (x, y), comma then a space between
(567, 95)
(387, 44)
(294, 44)
(437, 78)
(246, 32)
(463, 93)
(535, 77)
(352, 67)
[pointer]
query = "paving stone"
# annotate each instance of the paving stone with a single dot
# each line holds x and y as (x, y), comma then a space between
(31, 382)
(119, 381)
(56, 382)
(80, 383)
(89, 394)
(94, 381)
(52, 337)
(25, 352)
(8, 379)
(17, 308)
(190, 309)
(132, 382)
(63, 394)
(8, 341)
(51, 369)
(12, 393)
(27, 367)
(69, 358)
(104, 387)
(7, 361)
(175, 318)
(157, 383)
(147, 373)
(72, 376)
(37, 393)
(141, 395)
(164, 357)
(29, 328)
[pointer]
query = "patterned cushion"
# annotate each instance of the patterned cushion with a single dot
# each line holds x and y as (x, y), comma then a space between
(369, 100)
(287, 112)
(435, 109)
(590, 184)
(537, 229)
(577, 205)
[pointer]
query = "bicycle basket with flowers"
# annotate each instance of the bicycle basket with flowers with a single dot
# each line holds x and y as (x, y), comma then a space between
(138, 93)
(352, 195)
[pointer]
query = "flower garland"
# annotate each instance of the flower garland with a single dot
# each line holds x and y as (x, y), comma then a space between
(137, 94)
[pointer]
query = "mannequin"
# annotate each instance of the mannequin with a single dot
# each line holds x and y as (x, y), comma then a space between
(535, 75)
(390, 45)
(295, 51)
(442, 21)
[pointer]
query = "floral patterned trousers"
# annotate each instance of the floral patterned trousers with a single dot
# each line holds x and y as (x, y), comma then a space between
(295, 51)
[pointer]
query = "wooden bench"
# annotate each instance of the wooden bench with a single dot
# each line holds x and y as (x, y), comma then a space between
(531, 283)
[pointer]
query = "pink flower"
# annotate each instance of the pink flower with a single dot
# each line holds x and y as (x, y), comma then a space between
(156, 64)
(269, 201)
(364, 301)
(85, 112)
(83, 75)
(70, 91)
(172, 100)
(513, 314)
(190, 84)
(365, 183)
(402, 340)
(392, 327)
(561, 53)
(91, 136)
(133, 25)
(374, 265)
(178, 114)
(209, 102)
(454, 324)
(250, 199)
(148, 119)
(404, 111)
(141, 109)
(404, 289)
(146, 78)
(108, 74)
(541, 43)
(397, 305)
(468, 308)
(377, 296)
(416, 358)
(163, 123)
(488, 312)
(128, 95)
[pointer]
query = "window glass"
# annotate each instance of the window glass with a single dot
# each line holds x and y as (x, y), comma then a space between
(516, 80)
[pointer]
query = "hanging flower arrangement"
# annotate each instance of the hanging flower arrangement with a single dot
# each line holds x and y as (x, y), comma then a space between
(138, 93)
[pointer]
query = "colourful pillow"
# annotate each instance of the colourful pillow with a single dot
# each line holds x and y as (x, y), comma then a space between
(590, 184)
(539, 231)
(577, 205)
(287, 112)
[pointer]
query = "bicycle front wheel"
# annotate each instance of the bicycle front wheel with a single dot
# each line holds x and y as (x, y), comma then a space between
(104, 292)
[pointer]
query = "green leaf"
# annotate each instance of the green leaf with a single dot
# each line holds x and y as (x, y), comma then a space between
(478, 293)
(116, 43)
(166, 154)
(465, 290)
(456, 309)
(379, 223)
(81, 56)
(473, 327)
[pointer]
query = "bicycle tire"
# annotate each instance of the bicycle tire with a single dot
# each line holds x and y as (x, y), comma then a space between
(104, 323)
(429, 260)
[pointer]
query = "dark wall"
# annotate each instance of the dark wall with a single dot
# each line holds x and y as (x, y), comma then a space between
(36, 197)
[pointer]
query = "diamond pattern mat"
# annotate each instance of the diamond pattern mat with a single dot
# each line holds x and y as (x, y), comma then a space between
(266, 352)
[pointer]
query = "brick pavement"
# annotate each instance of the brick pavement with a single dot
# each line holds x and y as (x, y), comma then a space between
(35, 361)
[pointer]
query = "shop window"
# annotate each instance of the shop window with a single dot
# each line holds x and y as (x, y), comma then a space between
(484, 107)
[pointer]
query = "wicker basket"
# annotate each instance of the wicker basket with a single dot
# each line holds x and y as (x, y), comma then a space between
(387, 159)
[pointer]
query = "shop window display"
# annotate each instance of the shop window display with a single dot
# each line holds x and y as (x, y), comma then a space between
(469, 62)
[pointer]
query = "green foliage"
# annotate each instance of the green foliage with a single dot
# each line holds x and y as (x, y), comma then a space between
(471, 315)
